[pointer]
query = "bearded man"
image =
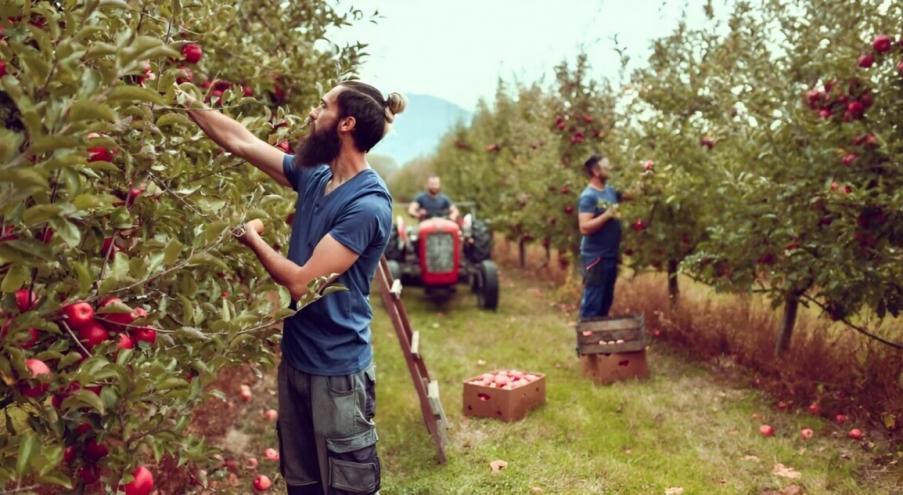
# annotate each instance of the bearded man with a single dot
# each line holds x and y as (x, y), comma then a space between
(343, 213)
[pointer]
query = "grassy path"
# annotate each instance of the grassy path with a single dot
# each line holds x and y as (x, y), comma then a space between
(685, 428)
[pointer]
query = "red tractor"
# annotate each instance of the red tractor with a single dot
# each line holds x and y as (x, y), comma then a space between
(439, 254)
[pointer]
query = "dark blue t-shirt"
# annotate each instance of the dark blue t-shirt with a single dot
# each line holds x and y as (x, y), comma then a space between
(435, 206)
(606, 241)
(332, 335)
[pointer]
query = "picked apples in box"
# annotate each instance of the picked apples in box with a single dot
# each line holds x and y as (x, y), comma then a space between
(504, 394)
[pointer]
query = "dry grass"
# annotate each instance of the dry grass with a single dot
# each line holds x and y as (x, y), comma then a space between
(829, 364)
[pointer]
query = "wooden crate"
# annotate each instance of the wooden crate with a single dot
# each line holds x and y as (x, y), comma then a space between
(611, 334)
(506, 405)
(609, 368)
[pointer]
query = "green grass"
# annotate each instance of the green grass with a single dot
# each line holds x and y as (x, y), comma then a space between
(684, 427)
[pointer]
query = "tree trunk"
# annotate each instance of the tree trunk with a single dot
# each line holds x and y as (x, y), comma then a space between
(791, 304)
(673, 288)
(522, 252)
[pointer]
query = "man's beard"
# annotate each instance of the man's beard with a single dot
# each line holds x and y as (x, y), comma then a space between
(318, 148)
(434, 192)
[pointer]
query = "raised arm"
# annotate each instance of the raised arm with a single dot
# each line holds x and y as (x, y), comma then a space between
(236, 139)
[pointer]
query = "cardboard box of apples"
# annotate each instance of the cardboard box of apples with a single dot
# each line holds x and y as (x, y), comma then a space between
(504, 394)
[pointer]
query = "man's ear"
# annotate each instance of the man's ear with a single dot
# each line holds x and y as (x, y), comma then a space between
(347, 124)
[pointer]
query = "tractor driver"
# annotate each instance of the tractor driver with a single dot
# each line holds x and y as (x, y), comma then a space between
(432, 203)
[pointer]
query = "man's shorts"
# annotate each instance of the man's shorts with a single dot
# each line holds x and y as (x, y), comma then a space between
(326, 431)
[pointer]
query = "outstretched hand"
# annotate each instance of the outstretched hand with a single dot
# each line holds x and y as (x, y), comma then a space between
(249, 231)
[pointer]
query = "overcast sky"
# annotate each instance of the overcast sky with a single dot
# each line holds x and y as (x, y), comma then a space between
(457, 49)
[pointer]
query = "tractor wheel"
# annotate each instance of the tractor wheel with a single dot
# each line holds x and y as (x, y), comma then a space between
(394, 269)
(487, 285)
(481, 249)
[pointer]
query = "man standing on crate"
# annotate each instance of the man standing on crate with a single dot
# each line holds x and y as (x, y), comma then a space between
(601, 229)
(327, 437)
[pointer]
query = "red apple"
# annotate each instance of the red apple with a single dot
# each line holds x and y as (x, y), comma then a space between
(69, 454)
(33, 336)
(262, 483)
(569, 209)
(253, 463)
(806, 433)
(244, 392)
(192, 53)
(577, 137)
(37, 368)
(247, 90)
(89, 473)
(60, 396)
(2, 67)
(134, 193)
(882, 43)
(849, 159)
(707, 142)
(142, 483)
(900, 67)
(855, 434)
(814, 408)
(856, 109)
(125, 342)
(840, 419)
(766, 430)
(145, 334)
(824, 113)
(271, 415)
(271, 455)
(25, 300)
(648, 165)
(284, 146)
(638, 225)
(93, 334)
(185, 74)
(47, 235)
(108, 246)
(123, 318)
(95, 451)
(867, 60)
(99, 154)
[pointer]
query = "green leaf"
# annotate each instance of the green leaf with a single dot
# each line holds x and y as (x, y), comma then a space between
(134, 93)
(26, 449)
(138, 47)
(60, 479)
(24, 178)
(50, 143)
(169, 119)
(84, 276)
(40, 213)
(14, 279)
(172, 251)
(91, 110)
(86, 398)
(68, 231)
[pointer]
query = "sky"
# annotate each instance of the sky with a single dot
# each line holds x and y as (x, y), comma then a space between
(457, 50)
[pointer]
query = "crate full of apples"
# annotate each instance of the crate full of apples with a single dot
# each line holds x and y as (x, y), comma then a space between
(504, 394)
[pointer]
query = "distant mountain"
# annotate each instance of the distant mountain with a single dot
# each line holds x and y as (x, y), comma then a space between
(417, 131)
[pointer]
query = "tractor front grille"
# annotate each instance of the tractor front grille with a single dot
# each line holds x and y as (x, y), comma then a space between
(440, 253)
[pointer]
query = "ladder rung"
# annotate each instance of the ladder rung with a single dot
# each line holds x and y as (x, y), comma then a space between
(396, 288)
(415, 343)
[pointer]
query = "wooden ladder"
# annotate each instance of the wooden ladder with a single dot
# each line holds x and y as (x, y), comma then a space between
(427, 389)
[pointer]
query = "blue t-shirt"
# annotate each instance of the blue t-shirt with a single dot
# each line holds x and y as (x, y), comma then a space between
(332, 336)
(605, 242)
(435, 206)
